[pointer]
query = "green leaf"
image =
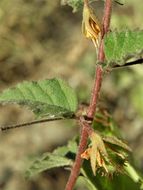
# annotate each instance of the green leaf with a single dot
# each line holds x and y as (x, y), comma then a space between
(75, 4)
(47, 161)
(45, 97)
(133, 174)
(86, 182)
(122, 46)
(55, 159)
(61, 151)
(118, 182)
(70, 147)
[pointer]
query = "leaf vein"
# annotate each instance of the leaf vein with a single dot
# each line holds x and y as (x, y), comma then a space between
(22, 94)
(67, 102)
(49, 97)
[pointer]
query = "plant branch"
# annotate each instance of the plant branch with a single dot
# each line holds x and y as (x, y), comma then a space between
(95, 92)
(86, 128)
(139, 61)
(107, 16)
(101, 57)
(85, 131)
(8, 127)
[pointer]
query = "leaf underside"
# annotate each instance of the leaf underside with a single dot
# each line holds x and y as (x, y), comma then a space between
(52, 160)
(47, 161)
(120, 47)
(51, 97)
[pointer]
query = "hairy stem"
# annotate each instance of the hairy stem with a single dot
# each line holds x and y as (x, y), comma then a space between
(101, 57)
(95, 92)
(85, 131)
(5, 128)
(107, 16)
(94, 99)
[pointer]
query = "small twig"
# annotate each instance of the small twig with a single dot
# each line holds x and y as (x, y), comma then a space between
(4, 128)
(132, 63)
(119, 3)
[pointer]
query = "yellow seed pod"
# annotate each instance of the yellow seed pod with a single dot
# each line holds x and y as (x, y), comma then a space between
(91, 27)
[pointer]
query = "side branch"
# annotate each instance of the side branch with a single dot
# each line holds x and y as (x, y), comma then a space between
(132, 63)
(5, 128)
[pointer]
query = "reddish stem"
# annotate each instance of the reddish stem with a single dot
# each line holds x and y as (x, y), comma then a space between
(86, 129)
(101, 57)
(78, 161)
(95, 92)
(107, 16)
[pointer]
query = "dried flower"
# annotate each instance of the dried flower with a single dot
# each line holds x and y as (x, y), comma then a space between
(96, 153)
(108, 154)
(91, 27)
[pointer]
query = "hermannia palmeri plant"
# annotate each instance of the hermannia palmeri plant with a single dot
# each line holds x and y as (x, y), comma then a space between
(97, 155)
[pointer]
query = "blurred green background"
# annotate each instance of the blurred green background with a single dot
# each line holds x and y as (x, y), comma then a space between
(40, 39)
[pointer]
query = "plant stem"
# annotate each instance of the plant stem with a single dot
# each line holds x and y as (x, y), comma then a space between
(86, 128)
(95, 92)
(101, 57)
(107, 16)
(85, 131)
